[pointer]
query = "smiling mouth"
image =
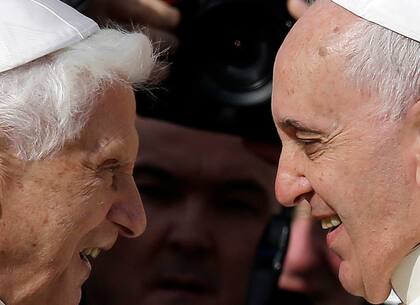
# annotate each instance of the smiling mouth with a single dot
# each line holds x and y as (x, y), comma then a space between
(331, 223)
(89, 254)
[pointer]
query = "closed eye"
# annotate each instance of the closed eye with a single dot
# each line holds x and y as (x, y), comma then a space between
(307, 137)
(308, 141)
(111, 165)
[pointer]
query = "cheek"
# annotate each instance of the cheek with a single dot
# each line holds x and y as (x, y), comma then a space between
(238, 248)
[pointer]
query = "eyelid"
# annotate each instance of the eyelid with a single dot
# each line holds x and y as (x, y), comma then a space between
(307, 136)
(110, 164)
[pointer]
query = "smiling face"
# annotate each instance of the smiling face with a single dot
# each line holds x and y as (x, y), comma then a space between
(76, 201)
(206, 214)
(342, 159)
(310, 267)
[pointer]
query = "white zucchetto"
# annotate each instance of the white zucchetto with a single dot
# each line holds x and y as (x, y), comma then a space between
(400, 16)
(30, 29)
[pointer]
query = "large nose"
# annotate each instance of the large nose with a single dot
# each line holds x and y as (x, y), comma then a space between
(191, 233)
(291, 182)
(127, 212)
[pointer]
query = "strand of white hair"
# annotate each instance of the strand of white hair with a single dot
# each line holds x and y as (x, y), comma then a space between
(385, 63)
(46, 103)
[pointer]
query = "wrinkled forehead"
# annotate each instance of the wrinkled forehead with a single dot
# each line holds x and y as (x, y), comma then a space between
(110, 125)
(196, 154)
(309, 77)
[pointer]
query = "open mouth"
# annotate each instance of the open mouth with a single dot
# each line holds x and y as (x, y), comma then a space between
(331, 223)
(89, 254)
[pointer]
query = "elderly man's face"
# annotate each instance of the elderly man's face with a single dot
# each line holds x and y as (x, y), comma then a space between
(81, 198)
(340, 158)
(208, 199)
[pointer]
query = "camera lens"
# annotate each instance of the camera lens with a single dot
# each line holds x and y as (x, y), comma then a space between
(234, 44)
(221, 73)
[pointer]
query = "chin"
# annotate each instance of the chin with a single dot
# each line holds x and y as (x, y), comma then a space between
(352, 281)
(377, 295)
(72, 298)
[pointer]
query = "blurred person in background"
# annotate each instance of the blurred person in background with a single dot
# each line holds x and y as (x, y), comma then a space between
(208, 199)
(157, 18)
(158, 14)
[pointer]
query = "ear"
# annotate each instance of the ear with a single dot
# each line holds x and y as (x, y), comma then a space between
(411, 138)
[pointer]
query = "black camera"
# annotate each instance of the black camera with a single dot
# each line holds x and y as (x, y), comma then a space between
(221, 74)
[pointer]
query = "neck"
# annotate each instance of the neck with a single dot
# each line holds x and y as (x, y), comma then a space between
(406, 278)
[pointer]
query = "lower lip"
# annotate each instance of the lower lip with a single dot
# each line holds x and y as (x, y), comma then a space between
(87, 268)
(331, 236)
(169, 295)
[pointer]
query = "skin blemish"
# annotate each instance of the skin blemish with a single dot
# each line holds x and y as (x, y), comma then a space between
(290, 91)
(323, 51)
(336, 29)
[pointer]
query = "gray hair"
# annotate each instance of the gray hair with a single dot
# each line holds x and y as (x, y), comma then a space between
(45, 104)
(383, 62)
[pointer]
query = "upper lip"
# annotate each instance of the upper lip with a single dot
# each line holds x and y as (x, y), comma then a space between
(103, 245)
(320, 210)
(188, 282)
(323, 216)
(190, 274)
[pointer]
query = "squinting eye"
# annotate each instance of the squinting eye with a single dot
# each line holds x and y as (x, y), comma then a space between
(306, 138)
(111, 165)
(308, 141)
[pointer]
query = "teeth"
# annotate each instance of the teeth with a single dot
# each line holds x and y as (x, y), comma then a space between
(91, 252)
(330, 222)
(95, 252)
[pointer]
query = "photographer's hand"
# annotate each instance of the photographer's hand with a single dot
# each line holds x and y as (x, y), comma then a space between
(154, 13)
(297, 7)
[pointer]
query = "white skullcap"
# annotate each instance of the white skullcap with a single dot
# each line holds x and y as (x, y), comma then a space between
(30, 29)
(400, 16)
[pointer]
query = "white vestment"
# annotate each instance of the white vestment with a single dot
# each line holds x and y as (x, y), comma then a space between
(406, 279)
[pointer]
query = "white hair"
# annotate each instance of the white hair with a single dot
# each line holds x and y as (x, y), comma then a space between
(385, 63)
(46, 103)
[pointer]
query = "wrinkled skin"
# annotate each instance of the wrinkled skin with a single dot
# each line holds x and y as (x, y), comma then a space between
(82, 197)
(342, 158)
(208, 199)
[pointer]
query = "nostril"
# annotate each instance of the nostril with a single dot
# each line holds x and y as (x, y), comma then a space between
(304, 198)
(129, 219)
(124, 231)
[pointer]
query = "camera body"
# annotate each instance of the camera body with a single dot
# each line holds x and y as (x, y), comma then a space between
(221, 73)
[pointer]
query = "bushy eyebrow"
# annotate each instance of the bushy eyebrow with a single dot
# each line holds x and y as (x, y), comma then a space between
(288, 123)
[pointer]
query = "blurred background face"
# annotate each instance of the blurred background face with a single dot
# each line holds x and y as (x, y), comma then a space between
(208, 200)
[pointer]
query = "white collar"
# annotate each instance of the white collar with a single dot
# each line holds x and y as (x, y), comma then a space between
(30, 29)
(406, 278)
